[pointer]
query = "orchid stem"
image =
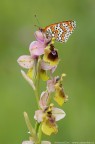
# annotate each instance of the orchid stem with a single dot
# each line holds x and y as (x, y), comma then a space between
(37, 81)
(40, 133)
(37, 97)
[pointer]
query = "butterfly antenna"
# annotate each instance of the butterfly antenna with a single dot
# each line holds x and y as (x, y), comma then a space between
(36, 26)
(37, 22)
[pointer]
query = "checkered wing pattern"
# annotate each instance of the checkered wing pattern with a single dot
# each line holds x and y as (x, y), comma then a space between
(60, 31)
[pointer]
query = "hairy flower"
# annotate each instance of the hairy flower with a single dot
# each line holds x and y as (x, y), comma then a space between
(55, 85)
(51, 55)
(48, 115)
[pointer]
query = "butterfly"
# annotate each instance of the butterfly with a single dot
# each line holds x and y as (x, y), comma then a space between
(60, 31)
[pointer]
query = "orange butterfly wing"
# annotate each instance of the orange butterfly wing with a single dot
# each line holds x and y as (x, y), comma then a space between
(60, 31)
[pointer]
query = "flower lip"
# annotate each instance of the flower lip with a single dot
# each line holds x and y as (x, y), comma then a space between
(53, 55)
(51, 119)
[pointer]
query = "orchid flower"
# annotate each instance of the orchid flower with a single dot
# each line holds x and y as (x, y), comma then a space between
(48, 115)
(55, 85)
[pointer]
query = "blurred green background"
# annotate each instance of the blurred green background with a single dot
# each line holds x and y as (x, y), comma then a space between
(77, 61)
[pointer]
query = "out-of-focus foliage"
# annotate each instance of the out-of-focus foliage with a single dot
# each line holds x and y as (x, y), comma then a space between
(77, 61)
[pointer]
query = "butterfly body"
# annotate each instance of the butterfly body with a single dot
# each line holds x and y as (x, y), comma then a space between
(60, 31)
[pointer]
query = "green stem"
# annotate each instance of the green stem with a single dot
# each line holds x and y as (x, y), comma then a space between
(37, 97)
(40, 133)
(37, 78)
(36, 127)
